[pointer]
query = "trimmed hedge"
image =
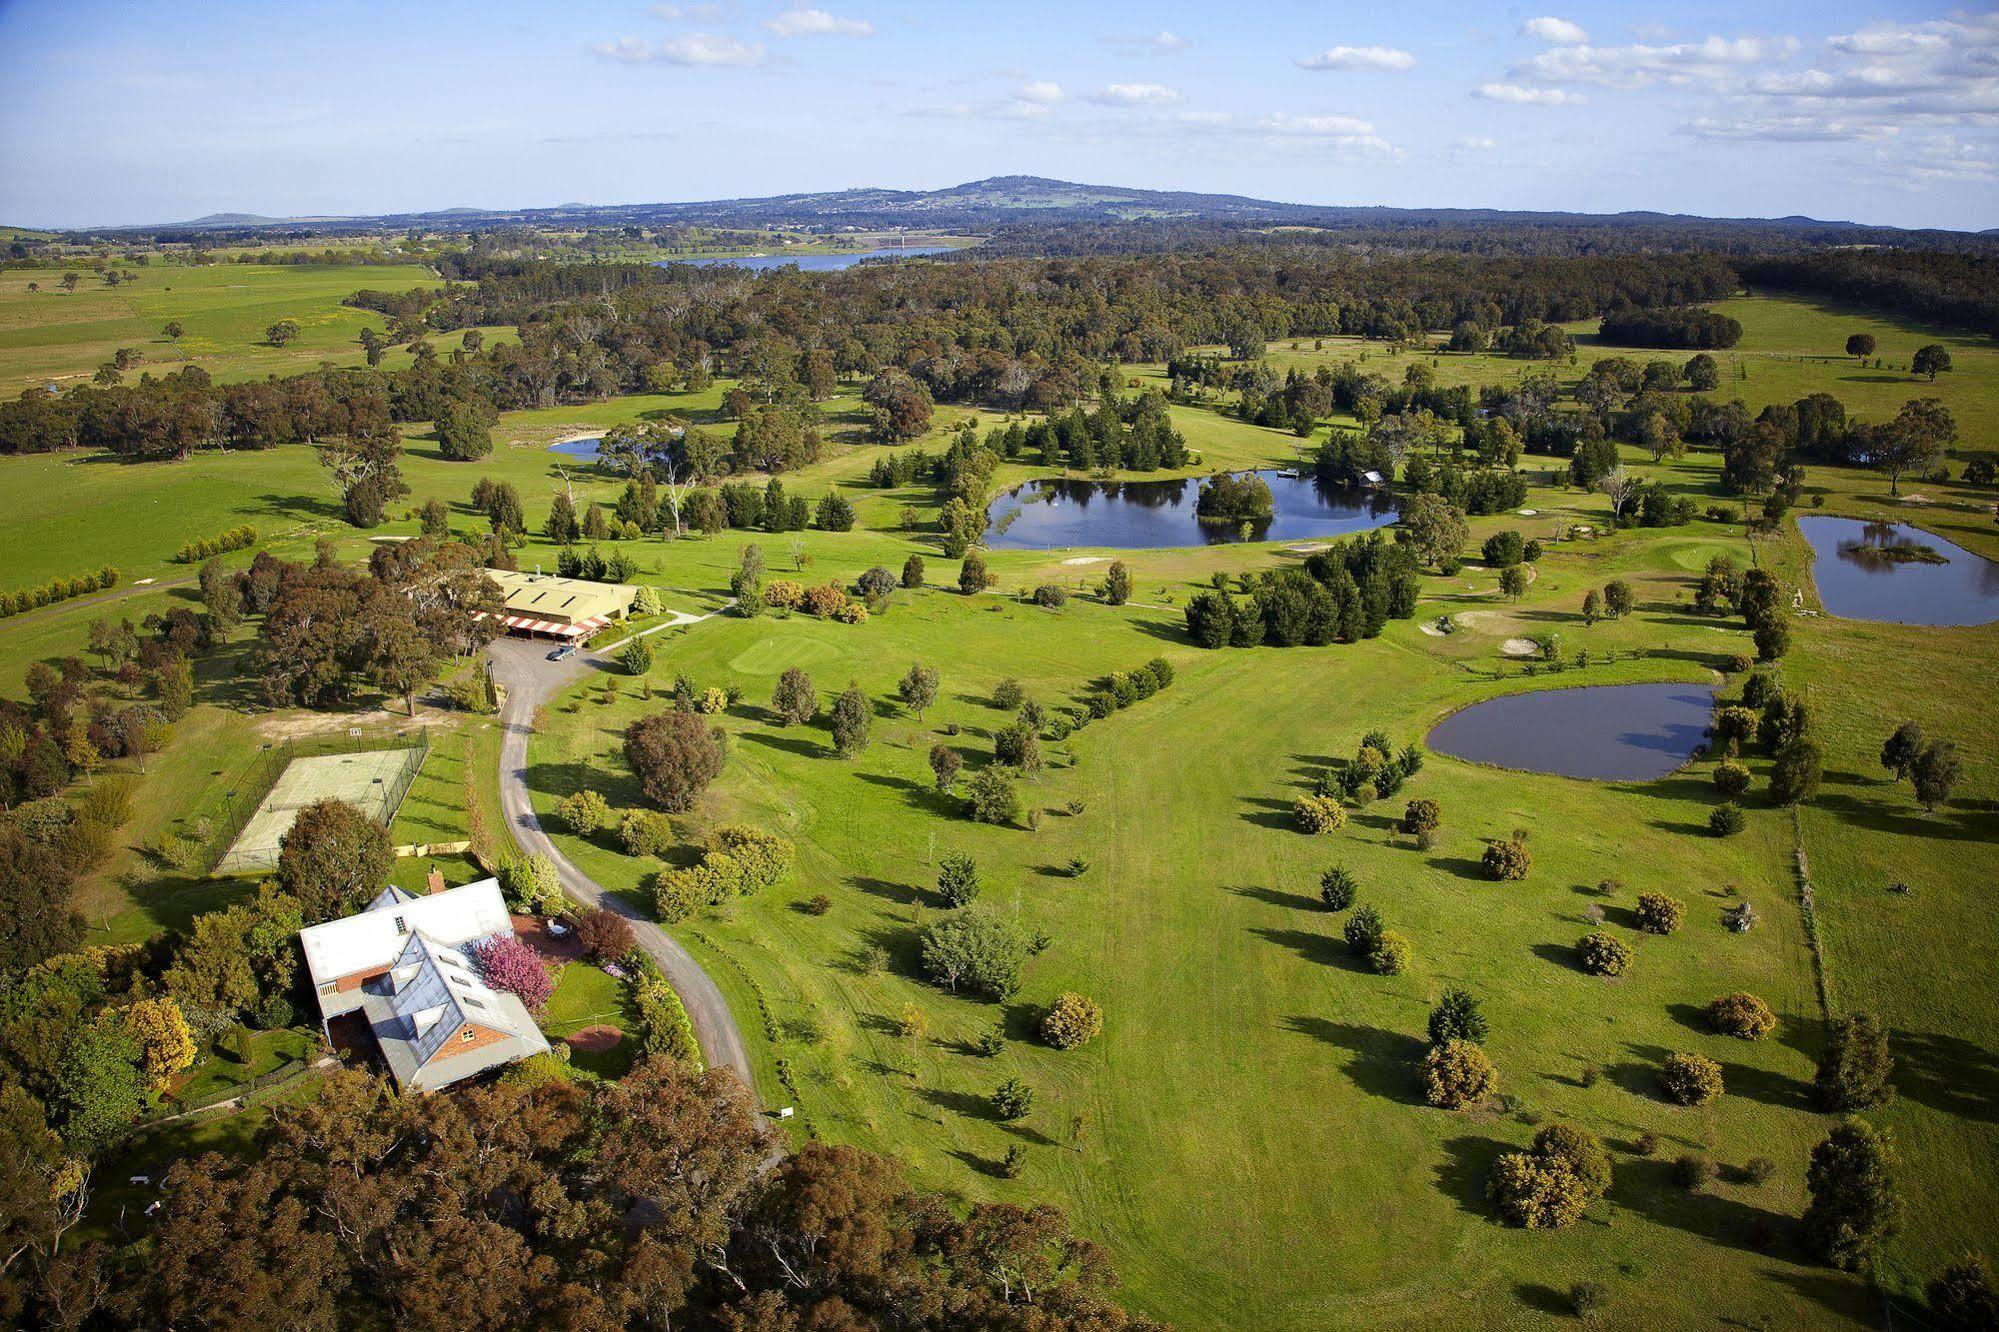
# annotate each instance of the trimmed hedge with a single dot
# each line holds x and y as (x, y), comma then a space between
(202, 548)
(55, 590)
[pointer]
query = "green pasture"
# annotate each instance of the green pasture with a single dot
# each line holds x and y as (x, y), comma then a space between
(53, 336)
(1247, 1137)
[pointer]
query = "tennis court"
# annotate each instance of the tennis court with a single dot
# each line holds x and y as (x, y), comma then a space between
(374, 782)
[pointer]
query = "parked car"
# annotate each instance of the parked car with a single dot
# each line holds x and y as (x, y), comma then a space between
(563, 653)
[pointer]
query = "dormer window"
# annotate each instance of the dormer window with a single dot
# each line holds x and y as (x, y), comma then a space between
(402, 927)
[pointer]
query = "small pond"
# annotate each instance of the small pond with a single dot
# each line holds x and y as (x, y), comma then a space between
(808, 263)
(1151, 515)
(584, 450)
(1864, 573)
(1620, 733)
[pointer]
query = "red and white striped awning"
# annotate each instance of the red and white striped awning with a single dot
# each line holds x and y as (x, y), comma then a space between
(561, 628)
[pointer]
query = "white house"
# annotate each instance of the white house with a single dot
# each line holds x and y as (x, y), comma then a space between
(402, 968)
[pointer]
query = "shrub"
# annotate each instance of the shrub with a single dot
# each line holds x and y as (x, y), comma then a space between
(1741, 1015)
(676, 894)
(645, 833)
(1363, 930)
(1421, 816)
(1579, 1149)
(824, 601)
(794, 700)
(1071, 1020)
(1854, 1205)
(674, 757)
(1539, 1193)
(585, 812)
(1337, 889)
(1690, 1079)
(912, 572)
(944, 765)
(1759, 1169)
(1457, 1017)
(876, 583)
(1319, 814)
(1008, 695)
(1013, 1099)
(1052, 595)
(975, 951)
(1587, 1299)
(636, 656)
(1693, 1171)
(958, 880)
(1961, 1298)
(1391, 954)
(605, 935)
(531, 884)
(1017, 746)
(510, 965)
(784, 594)
(714, 701)
(991, 1042)
(852, 717)
(1506, 860)
(1725, 819)
(1660, 914)
(1602, 954)
(762, 858)
(1855, 1065)
(1731, 779)
(1456, 1074)
(993, 797)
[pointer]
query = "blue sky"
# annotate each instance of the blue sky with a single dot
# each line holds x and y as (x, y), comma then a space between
(145, 112)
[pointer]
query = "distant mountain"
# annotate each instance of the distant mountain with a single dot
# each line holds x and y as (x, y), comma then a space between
(993, 202)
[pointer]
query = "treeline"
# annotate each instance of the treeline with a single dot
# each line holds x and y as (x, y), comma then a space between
(1343, 594)
(1673, 326)
(1957, 288)
(55, 590)
(201, 548)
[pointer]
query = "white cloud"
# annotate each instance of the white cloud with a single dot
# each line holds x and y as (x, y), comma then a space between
(1711, 60)
(1158, 43)
(698, 49)
(1513, 94)
(675, 13)
(1557, 30)
(1043, 91)
(1783, 129)
(1343, 135)
(817, 23)
(1475, 144)
(1137, 94)
(1358, 57)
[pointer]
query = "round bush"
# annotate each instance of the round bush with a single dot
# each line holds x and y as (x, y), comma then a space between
(1391, 954)
(1319, 814)
(1731, 779)
(1421, 816)
(1741, 1015)
(605, 935)
(1507, 860)
(1690, 1079)
(1660, 914)
(1457, 1074)
(1363, 930)
(1071, 1020)
(1725, 819)
(1579, 1149)
(1337, 889)
(1540, 1193)
(1603, 954)
(1692, 1171)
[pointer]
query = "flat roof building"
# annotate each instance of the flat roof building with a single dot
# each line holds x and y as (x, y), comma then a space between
(568, 608)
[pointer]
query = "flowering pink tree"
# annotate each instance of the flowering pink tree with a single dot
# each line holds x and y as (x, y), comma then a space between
(509, 964)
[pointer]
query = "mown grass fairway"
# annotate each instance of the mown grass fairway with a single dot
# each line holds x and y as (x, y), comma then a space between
(1247, 1137)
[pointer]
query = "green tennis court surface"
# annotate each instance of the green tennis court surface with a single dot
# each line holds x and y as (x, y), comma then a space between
(374, 782)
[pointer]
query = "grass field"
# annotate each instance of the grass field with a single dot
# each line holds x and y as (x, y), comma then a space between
(53, 336)
(1247, 1136)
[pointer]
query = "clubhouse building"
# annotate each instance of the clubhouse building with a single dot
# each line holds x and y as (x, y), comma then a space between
(568, 610)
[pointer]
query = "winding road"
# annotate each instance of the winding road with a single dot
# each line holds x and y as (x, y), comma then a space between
(529, 680)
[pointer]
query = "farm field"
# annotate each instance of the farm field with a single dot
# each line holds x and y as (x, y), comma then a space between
(1247, 1137)
(53, 336)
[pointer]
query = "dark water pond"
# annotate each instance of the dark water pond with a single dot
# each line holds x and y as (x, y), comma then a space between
(1859, 578)
(809, 263)
(1150, 515)
(1623, 733)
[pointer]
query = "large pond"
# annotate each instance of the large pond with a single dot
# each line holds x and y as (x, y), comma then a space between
(809, 263)
(1864, 573)
(1151, 515)
(1622, 733)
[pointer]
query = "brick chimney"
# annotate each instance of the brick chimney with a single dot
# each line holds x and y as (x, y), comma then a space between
(436, 879)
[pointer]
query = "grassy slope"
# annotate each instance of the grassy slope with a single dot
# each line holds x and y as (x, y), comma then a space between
(1305, 1188)
(64, 336)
